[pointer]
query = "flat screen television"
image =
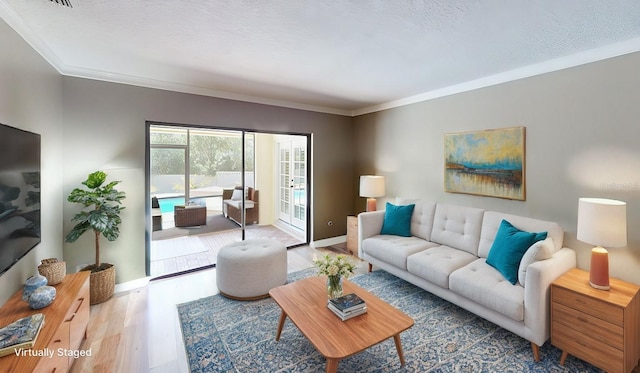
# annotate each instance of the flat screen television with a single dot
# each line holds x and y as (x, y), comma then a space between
(19, 194)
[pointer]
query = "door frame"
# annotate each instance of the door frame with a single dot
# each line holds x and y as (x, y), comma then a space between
(147, 193)
(290, 144)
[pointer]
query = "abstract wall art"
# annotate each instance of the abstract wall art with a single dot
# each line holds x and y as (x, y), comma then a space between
(487, 163)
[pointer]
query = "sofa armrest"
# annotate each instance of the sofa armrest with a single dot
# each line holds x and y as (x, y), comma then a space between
(537, 292)
(369, 225)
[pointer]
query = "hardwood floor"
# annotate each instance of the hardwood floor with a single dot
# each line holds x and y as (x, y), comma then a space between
(139, 331)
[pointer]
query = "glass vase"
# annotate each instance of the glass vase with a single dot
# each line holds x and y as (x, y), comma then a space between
(334, 286)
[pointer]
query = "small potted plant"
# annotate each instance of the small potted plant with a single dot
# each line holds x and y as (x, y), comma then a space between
(101, 216)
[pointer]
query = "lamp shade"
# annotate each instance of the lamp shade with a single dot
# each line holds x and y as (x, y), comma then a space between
(371, 186)
(602, 222)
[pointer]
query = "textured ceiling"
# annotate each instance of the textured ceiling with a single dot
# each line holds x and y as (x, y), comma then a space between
(348, 56)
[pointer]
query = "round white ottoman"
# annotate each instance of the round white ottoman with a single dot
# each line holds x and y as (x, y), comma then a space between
(249, 269)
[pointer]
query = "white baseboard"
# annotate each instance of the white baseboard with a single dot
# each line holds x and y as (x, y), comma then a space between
(133, 284)
(329, 241)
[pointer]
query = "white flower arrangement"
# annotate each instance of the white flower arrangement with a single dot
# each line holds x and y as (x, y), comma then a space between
(332, 266)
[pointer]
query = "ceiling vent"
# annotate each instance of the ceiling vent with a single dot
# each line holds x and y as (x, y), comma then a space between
(63, 2)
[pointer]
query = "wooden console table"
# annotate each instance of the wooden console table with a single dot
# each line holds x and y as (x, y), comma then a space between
(65, 326)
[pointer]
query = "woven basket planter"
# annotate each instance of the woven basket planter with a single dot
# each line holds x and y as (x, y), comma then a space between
(102, 284)
(53, 270)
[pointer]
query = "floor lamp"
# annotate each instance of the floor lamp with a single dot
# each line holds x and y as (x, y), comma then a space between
(371, 187)
(601, 222)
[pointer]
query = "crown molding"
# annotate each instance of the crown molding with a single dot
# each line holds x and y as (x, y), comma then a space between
(17, 24)
(577, 59)
(80, 72)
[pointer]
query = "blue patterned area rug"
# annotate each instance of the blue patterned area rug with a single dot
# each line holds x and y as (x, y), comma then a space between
(223, 335)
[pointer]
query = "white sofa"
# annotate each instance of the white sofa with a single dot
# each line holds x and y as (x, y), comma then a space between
(446, 255)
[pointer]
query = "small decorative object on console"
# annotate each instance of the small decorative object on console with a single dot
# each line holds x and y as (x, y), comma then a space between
(53, 270)
(31, 285)
(20, 334)
(42, 297)
(335, 268)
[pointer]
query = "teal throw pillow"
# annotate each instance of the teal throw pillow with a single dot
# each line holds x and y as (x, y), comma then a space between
(509, 247)
(397, 220)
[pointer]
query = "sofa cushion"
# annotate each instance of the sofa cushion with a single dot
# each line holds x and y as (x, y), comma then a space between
(508, 248)
(394, 249)
(457, 226)
(250, 204)
(484, 285)
(237, 195)
(492, 220)
(540, 250)
(436, 264)
(422, 217)
(397, 220)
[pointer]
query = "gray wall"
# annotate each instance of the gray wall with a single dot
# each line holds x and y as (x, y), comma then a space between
(30, 100)
(582, 136)
(88, 125)
(104, 128)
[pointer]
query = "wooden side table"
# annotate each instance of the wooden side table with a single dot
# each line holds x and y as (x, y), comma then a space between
(598, 326)
(352, 235)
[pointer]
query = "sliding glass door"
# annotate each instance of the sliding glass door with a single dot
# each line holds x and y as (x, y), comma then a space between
(196, 181)
(211, 187)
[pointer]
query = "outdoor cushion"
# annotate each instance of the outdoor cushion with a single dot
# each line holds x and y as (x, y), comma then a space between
(249, 204)
(237, 195)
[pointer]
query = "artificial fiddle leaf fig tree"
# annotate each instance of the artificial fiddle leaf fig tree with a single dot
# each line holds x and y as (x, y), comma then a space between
(101, 216)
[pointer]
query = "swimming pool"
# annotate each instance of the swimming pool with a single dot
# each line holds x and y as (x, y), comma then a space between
(167, 204)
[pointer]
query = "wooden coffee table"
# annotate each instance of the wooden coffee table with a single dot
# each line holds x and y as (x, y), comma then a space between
(305, 303)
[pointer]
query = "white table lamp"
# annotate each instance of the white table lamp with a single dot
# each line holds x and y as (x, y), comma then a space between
(371, 187)
(601, 222)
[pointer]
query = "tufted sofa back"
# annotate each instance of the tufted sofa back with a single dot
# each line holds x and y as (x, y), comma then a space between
(422, 217)
(470, 229)
(457, 226)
